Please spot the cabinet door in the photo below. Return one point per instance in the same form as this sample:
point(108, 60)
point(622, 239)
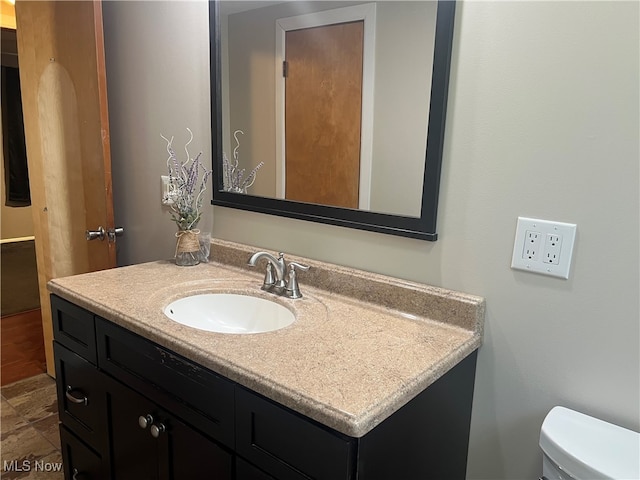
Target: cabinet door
point(134, 452)
point(150, 443)
point(80, 462)
point(187, 454)
point(289, 446)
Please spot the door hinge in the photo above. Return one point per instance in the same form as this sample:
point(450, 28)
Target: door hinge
point(285, 69)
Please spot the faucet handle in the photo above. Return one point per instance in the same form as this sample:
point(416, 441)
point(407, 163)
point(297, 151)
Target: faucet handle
point(304, 268)
point(292, 289)
point(269, 279)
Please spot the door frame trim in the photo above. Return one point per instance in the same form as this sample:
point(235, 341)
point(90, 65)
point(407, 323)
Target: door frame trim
point(366, 13)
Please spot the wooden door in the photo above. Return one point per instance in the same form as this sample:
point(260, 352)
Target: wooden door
point(323, 109)
point(63, 81)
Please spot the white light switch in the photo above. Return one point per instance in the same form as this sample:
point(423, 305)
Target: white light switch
point(167, 197)
point(544, 247)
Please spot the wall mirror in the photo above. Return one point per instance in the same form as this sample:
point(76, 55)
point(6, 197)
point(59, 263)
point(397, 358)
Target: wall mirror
point(338, 107)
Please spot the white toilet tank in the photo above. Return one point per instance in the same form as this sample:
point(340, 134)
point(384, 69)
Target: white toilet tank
point(579, 447)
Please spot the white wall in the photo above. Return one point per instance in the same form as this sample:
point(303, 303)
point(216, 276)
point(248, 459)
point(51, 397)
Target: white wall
point(543, 121)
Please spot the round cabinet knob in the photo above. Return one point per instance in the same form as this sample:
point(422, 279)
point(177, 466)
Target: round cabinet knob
point(145, 421)
point(157, 429)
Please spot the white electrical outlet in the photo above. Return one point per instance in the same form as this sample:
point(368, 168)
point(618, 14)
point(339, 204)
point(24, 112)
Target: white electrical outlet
point(542, 246)
point(532, 245)
point(552, 247)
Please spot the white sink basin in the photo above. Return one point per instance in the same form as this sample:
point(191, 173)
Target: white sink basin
point(229, 313)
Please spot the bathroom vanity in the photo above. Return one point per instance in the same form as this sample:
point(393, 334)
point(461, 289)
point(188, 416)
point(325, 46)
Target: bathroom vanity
point(373, 380)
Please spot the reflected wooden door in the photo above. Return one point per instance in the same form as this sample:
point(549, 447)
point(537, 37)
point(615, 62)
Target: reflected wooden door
point(323, 109)
point(63, 82)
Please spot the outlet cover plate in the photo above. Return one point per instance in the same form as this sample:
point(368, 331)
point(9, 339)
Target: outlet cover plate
point(562, 237)
point(166, 198)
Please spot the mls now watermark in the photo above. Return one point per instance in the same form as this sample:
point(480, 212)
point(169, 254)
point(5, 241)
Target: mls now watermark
point(31, 466)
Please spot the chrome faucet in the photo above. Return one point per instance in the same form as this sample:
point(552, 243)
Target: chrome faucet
point(277, 283)
point(271, 283)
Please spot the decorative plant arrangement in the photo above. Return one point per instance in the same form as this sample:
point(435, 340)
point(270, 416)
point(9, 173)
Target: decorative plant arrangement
point(232, 176)
point(187, 184)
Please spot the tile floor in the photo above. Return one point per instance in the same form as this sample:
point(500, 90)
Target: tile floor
point(30, 442)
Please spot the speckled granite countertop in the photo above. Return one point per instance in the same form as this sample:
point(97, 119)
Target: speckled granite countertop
point(361, 347)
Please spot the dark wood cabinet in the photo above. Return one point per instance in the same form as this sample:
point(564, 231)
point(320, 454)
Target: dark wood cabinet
point(132, 409)
point(148, 442)
point(195, 394)
point(134, 452)
point(289, 445)
point(81, 397)
point(74, 328)
point(111, 431)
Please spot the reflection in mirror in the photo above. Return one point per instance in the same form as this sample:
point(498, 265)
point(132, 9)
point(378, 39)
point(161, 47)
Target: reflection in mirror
point(337, 102)
point(347, 117)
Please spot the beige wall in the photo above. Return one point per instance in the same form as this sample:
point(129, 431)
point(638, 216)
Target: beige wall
point(405, 33)
point(15, 222)
point(542, 121)
point(7, 14)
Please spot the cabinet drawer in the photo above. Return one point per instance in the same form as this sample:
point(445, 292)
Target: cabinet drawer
point(79, 460)
point(73, 327)
point(288, 445)
point(81, 396)
point(192, 392)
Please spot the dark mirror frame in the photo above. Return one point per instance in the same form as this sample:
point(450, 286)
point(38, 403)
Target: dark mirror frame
point(423, 227)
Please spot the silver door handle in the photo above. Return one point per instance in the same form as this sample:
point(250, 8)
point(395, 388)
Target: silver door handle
point(112, 233)
point(100, 233)
point(93, 234)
